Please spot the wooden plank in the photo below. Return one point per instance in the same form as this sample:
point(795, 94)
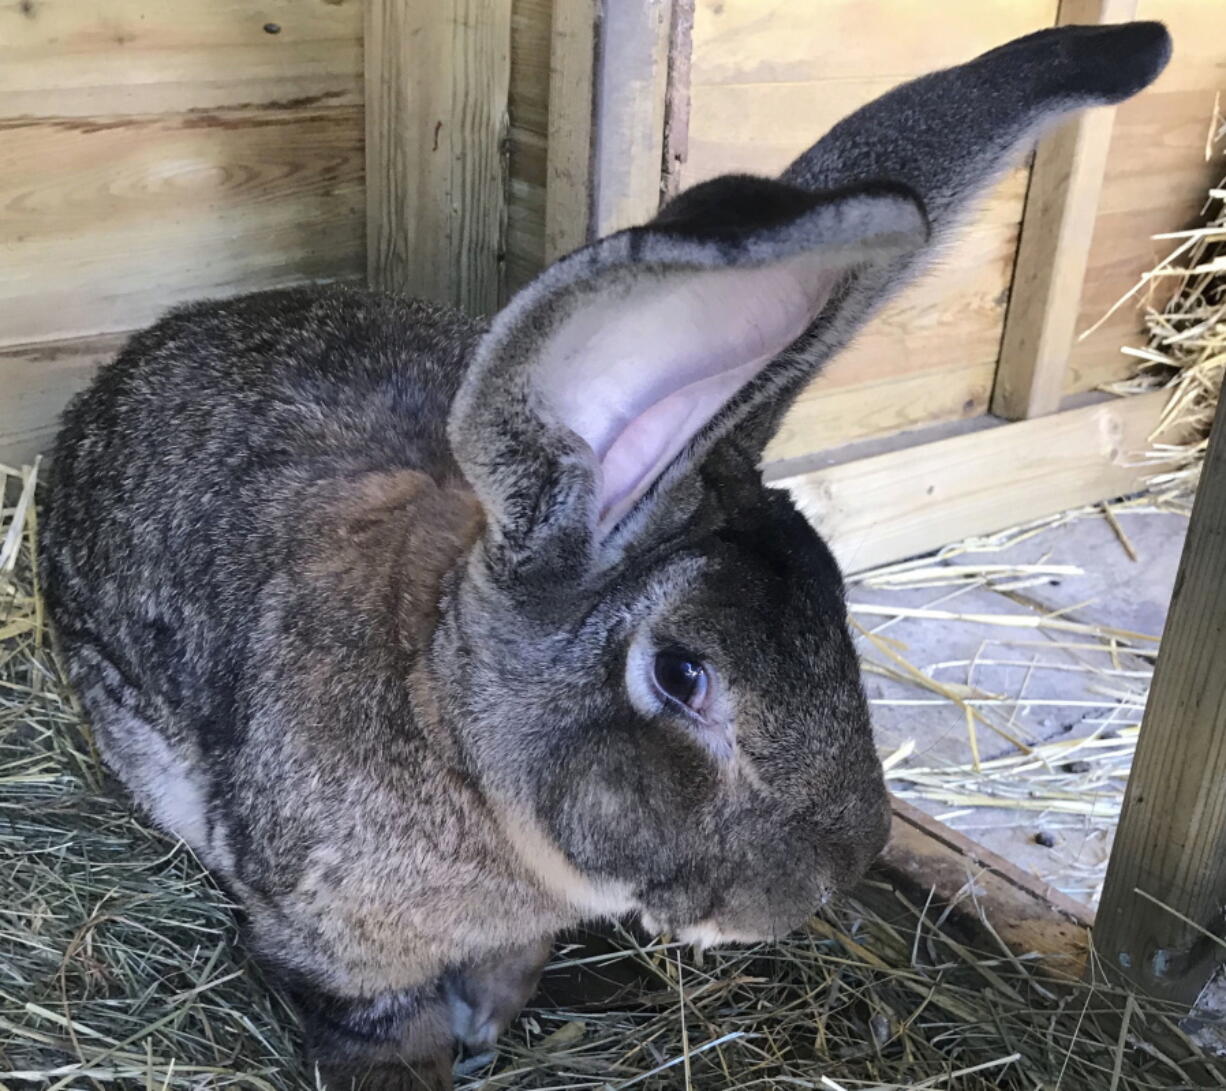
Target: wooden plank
point(1171, 839)
point(1156, 181)
point(929, 356)
point(631, 97)
point(569, 185)
point(677, 98)
point(768, 78)
point(760, 128)
point(824, 419)
point(895, 505)
point(1057, 230)
point(36, 382)
point(105, 222)
point(144, 57)
point(982, 898)
point(437, 86)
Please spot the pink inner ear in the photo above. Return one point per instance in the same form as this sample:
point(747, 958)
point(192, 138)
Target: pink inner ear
point(637, 372)
point(649, 442)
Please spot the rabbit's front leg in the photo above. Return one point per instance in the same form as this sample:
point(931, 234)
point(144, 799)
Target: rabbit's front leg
point(484, 996)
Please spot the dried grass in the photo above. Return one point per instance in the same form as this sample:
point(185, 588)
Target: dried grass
point(120, 966)
point(1074, 783)
point(1186, 355)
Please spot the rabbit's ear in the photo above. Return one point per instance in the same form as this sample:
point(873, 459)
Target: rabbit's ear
point(609, 368)
point(622, 364)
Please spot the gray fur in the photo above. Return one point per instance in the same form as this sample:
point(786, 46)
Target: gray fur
point(329, 574)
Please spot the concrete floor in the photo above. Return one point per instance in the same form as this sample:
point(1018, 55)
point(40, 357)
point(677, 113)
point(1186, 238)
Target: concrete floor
point(1049, 696)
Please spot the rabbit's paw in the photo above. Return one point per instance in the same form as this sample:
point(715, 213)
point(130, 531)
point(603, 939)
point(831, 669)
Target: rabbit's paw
point(485, 996)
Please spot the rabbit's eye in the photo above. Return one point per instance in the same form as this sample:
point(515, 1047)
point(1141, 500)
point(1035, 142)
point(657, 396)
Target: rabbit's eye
point(682, 678)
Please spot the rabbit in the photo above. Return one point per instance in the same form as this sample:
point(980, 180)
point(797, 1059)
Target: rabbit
point(433, 637)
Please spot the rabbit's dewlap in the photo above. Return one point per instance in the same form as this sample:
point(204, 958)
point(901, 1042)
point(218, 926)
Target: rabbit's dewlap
point(434, 639)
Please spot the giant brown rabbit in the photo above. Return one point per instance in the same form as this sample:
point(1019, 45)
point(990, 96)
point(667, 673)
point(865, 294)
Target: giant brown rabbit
point(433, 637)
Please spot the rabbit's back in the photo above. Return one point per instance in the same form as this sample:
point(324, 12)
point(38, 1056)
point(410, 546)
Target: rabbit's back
point(215, 459)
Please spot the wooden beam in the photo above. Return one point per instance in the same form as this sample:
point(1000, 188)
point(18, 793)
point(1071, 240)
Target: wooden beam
point(983, 898)
point(631, 102)
point(1170, 846)
point(437, 79)
point(677, 98)
point(1057, 229)
point(895, 505)
point(574, 46)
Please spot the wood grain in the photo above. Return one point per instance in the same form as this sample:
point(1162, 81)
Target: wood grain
point(895, 505)
point(1053, 252)
point(527, 140)
point(437, 87)
point(768, 79)
point(780, 41)
point(825, 419)
point(105, 222)
point(930, 864)
point(929, 356)
point(1171, 839)
point(83, 59)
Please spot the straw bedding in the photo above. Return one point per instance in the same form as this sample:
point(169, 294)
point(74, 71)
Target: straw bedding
point(1075, 783)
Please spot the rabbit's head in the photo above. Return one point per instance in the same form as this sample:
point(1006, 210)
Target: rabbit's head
point(646, 657)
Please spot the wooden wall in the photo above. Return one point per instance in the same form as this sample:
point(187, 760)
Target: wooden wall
point(770, 76)
point(531, 23)
point(157, 152)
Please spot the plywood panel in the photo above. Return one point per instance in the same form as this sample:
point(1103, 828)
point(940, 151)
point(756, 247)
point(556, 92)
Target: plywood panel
point(1156, 179)
point(76, 58)
point(104, 222)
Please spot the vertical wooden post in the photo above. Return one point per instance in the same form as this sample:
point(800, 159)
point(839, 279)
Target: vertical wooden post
point(677, 103)
point(618, 112)
point(1057, 229)
point(631, 101)
point(437, 81)
point(573, 55)
point(1171, 841)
